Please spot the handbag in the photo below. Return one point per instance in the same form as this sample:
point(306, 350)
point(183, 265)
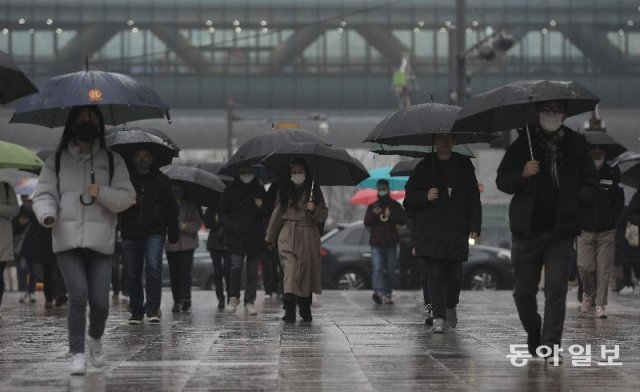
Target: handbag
point(631, 233)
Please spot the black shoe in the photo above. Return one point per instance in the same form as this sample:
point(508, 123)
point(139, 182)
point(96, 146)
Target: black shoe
point(305, 309)
point(534, 339)
point(186, 305)
point(61, 301)
point(430, 318)
point(154, 316)
point(377, 298)
point(136, 319)
point(289, 308)
point(221, 302)
point(176, 308)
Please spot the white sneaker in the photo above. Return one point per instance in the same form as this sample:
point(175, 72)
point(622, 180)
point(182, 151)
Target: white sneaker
point(438, 326)
point(78, 365)
point(626, 290)
point(268, 297)
point(96, 351)
point(251, 309)
point(233, 305)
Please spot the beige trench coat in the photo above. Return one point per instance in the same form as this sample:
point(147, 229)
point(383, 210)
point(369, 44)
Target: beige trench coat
point(299, 246)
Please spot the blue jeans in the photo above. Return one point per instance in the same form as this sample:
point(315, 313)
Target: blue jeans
point(384, 261)
point(144, 254)
point(26, 276)
point(87, 275)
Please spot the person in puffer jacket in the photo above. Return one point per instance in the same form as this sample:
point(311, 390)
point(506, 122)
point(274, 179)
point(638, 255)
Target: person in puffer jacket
point(81, 190)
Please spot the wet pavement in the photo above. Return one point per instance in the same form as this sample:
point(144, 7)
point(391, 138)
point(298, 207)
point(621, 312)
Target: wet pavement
point(351, 345)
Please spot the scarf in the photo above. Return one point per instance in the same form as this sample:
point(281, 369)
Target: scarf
point(551, 146)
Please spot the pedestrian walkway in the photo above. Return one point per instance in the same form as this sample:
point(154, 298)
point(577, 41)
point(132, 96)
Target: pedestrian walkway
point(351, 345)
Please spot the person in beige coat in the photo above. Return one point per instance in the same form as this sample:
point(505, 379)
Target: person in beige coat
point(8, 209)
point(180, 254)
point(294, 224)
point(81, 189)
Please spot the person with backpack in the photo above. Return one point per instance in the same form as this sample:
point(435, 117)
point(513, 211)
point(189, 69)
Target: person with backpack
point(81, 189)
point(143, 228)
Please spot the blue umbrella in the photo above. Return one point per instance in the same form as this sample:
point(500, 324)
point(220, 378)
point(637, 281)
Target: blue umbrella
point(395, 183)
point(120, 98)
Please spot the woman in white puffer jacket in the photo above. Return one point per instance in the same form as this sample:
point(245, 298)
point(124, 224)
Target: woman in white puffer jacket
point(81, 190)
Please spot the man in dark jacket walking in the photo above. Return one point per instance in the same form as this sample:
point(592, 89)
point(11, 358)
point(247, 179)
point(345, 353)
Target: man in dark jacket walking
point(596, 243)
point(242, 214)
point(545, 217)
point(382, 218)
point(144, 227)
point(443, 194)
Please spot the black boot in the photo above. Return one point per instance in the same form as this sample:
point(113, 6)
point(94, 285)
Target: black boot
point(305, 308)
point(221, 302)
point(289, 308)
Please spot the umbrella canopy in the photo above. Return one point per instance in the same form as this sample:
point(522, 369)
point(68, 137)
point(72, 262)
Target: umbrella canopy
point(120, 98)
point(417, 125)
point(26, 186)
point(14, 156)
point(218, 168)
point(609, 144)
point(125, 141)
point(404, 168)
point(328, 165)
point(417, 151)
point(379, 173)
point(14, 83)
point(629, 165)
point(365, 197)
point(513, 105)
point(200, 186)
point(258, 147)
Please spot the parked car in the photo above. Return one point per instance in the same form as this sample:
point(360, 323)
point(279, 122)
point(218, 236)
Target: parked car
point(346, 256)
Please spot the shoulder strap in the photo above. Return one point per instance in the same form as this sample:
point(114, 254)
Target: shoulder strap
point(6, 190)
point(111, 165)
point(57, 167)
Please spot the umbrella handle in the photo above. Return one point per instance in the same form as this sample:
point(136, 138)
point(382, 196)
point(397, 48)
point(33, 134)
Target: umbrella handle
point(529, 142)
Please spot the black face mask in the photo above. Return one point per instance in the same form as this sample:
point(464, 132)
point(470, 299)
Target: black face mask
point(142, 165)
point(85, 132)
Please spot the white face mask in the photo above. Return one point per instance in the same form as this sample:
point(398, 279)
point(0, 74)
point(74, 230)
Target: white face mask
point(551, 122)
point(247, 178)
point(298, 178)
point(383, 193)
point(599, 163)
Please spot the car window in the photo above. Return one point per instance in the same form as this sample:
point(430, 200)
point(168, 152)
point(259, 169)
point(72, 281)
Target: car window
point(355, 236)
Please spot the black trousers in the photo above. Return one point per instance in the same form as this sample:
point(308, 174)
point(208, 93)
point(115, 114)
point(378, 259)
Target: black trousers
point(180, 267)
point(2, 265)
point(221, 272)
point(272, 273)
point(119, 274)
point(237, 264)
point(529, 254)
point(420, 266)
point(445, 279)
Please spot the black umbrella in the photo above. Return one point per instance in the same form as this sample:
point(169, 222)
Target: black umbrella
point(404, 168)
point(629, 165)
point(14, 83)
point(120, 98)
point(126, 140)
point(218, 168)
point(256, 148)
point(328, 165)
point(418, 124)
point(609, 144)
point(200, 186)
point(513, 105)
point(417, 151)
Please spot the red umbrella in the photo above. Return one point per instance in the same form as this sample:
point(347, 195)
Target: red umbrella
point(365, 197)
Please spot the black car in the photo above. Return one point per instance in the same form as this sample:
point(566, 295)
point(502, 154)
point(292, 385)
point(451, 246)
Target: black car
point(346, 256)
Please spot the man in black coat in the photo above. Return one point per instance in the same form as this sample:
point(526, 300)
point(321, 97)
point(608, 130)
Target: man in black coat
point(549, 193)
point(596, 243)
point(443, 194)
point(242, 213)
point(144, 227)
